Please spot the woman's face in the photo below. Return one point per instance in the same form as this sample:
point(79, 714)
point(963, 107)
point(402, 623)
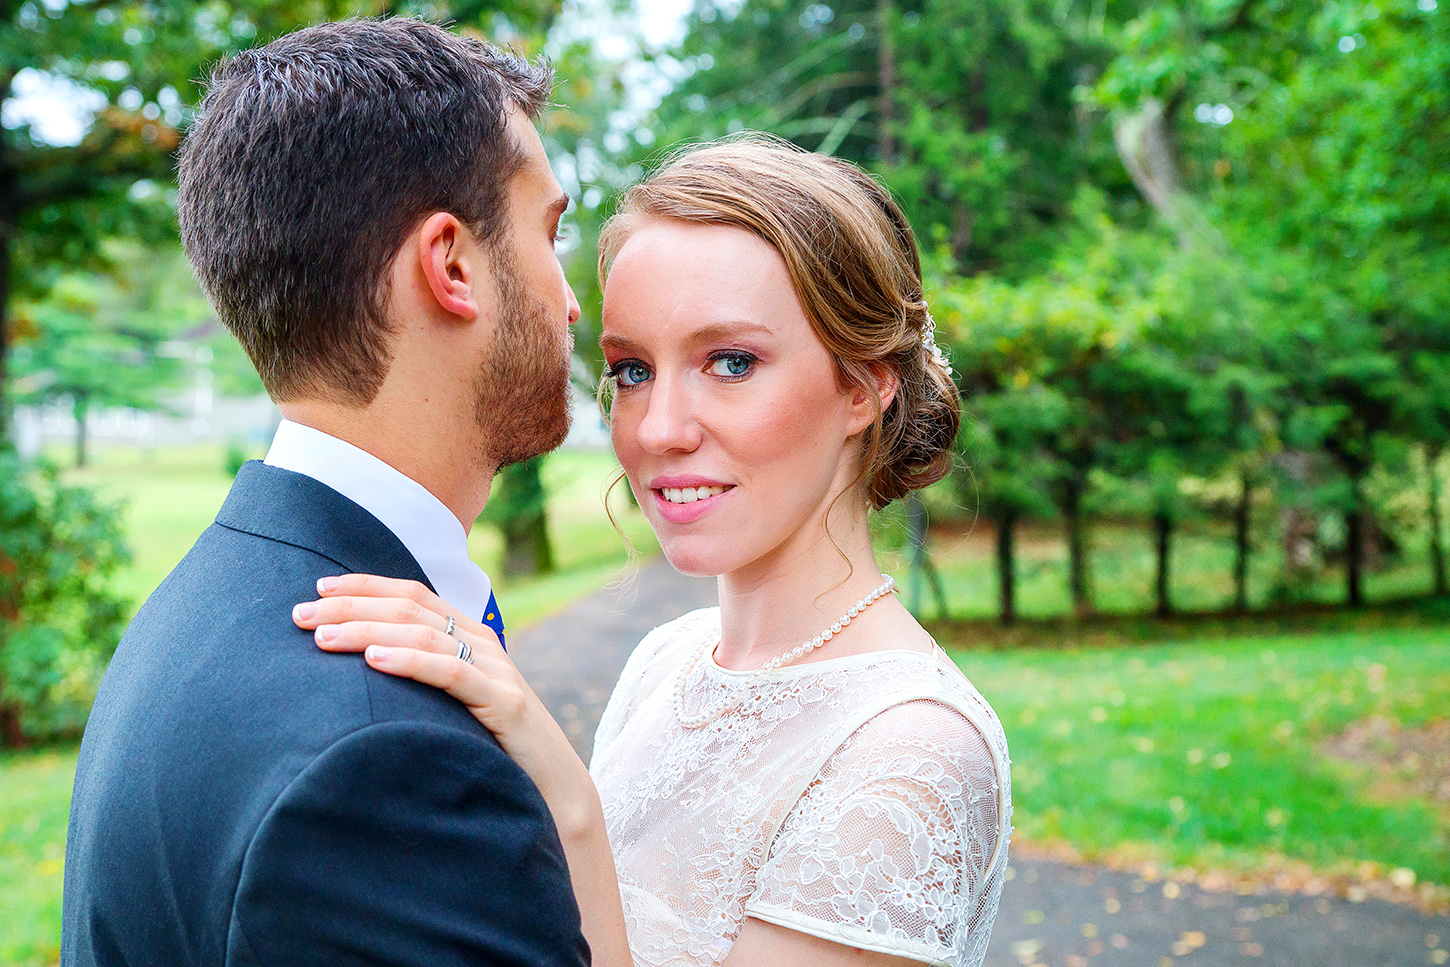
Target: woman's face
point(727, 419)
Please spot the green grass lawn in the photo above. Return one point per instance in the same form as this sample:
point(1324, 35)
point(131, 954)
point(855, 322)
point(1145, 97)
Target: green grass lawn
point(1209, 753)
point(34, 804)
point(172, 495)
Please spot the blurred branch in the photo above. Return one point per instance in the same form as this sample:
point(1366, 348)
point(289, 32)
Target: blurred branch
point(115, 149)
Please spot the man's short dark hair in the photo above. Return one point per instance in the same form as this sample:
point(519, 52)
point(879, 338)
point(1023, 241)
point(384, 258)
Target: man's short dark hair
point(311, 161)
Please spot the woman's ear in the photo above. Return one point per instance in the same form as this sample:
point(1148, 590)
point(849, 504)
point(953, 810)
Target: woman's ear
point(884, 381)
point(447, 254)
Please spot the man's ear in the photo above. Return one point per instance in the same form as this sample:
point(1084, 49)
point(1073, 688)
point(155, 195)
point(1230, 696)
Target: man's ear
point(884, 382)
point(449, 257)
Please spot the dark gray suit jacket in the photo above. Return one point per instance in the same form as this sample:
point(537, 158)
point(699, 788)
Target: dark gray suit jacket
point(245, 798)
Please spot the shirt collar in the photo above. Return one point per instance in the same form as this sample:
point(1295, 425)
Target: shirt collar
point(426, 527)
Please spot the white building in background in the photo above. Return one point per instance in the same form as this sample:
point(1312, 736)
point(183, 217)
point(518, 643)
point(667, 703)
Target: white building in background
point(195, 414)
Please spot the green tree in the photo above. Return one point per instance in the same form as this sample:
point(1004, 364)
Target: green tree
point(967, 111)
point(519, 510)
point(1012, 415)
point(1045, 374)
point(97, 341)
point(59, 619)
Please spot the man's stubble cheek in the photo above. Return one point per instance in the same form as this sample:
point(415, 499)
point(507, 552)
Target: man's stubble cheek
point(523, 386)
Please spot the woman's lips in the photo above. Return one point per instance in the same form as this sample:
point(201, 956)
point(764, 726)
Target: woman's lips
point(682, 505)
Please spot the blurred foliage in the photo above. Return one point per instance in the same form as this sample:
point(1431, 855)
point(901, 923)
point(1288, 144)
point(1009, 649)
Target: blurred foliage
point(60, 620)
point(100, 340)
point(1191, 257)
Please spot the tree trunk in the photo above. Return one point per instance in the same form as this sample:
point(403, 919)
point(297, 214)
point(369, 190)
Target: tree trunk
point(6, 228)
point(1437, 545)
point(886, 85)
point(525, 525)
point(81, 408)
point(922, 567)
point(1163, 542)
point(1354, 542)
point(526, 548)
point(1006, 565)
point(1078, 581)
point(1145, 143)
point(11, 734)
point(1241, 543)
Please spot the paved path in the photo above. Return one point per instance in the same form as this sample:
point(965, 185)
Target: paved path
point(573, 659)
point(1053, 914)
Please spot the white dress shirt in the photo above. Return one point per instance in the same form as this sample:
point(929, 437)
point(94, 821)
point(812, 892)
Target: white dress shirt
point(426, 527)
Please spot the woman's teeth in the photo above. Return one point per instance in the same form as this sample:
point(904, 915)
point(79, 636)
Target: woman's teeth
point(688, 495)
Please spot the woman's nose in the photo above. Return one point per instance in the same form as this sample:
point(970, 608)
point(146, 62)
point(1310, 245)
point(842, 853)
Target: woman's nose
point(669, 421)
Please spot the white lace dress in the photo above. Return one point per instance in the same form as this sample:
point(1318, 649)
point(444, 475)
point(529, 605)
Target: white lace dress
point(863, 799)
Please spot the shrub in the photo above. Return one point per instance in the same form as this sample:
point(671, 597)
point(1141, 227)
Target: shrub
point(59, 619)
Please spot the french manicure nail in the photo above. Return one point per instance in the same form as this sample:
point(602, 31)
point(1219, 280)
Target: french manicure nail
point(378, 654)
point(328, 632)
point(304, 612)
point(327, 584)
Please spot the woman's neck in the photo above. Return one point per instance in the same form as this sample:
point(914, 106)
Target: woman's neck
point(776, 603)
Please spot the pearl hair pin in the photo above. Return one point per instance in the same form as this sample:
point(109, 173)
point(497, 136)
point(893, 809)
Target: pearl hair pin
point(928, 342)
point(804, 648)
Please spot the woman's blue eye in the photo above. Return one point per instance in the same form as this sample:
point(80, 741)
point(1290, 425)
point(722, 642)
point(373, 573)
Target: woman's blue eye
point(630, 372)
point(732, 365)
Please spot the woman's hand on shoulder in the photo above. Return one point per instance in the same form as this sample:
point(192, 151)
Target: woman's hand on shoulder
point(402, 628)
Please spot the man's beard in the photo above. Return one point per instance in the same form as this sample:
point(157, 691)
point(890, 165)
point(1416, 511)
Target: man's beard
point(522, 390)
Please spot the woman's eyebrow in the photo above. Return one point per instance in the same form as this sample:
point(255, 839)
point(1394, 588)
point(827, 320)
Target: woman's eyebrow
point(723, 330)
point(618, 343)
point(711, 332)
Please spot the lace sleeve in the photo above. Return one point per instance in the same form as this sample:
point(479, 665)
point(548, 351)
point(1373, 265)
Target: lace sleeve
point(894, 845)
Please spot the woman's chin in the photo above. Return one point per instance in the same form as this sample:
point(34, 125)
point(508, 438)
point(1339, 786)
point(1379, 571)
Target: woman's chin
point(694, 561)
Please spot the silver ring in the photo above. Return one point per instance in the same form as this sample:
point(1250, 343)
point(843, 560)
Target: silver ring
point(449, 630)
point(465, 653)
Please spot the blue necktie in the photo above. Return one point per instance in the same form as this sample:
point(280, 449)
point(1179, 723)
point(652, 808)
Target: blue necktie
point(493, 618)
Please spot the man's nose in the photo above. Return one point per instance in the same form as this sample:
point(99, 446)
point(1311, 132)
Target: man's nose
point(573, 304)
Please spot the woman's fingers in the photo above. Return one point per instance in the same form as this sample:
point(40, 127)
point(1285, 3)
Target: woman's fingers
point(357, 635)
point(459, 679)
point(330, 611)
point(368, 597)
point(497, 697)
point(373, 586)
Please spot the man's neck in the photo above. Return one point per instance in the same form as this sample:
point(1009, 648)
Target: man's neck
point(423, 445)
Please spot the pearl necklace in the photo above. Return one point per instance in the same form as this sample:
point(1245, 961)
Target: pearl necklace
point(737, 695)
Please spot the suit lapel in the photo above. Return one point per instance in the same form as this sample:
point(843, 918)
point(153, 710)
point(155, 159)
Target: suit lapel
point(294, 509)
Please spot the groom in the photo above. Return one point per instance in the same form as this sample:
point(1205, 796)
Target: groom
point(370, 210)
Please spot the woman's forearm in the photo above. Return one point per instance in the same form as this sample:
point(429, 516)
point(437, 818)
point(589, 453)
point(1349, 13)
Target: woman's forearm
point(578, 815)
point(595, 881)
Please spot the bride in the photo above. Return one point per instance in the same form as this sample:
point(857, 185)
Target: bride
point(800, 776)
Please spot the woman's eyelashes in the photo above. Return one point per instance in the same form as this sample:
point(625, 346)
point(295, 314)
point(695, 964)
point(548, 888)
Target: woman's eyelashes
point(727, 365)
point(628, 372)
point(732, 365)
